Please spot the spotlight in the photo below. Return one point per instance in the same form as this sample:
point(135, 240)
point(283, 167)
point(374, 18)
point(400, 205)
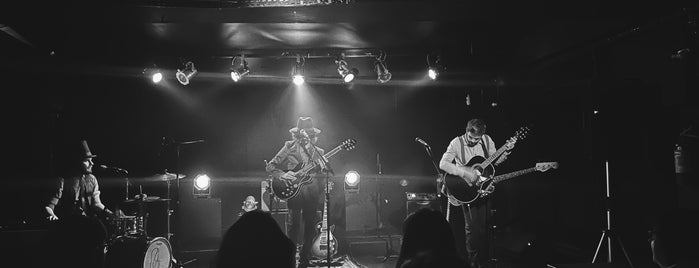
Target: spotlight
point(382, 73)
point(183, 76)
point(352, 181)
point(297, 71)
point(432, 73)
point(202, 186)
point(154, 74)
point(343, 69)
point(240, 69)
point(435, 68)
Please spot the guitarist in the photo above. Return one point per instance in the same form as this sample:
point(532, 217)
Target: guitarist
point(295, 153)
point(459, 152)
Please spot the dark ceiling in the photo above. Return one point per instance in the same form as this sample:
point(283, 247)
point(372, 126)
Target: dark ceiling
point(474, 36)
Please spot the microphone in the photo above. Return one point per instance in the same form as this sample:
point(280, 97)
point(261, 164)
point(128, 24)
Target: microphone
point(417, 139)
point(121, 170)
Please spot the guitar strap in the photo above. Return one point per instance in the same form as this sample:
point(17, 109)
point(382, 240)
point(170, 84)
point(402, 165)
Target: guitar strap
point(463, 152)
point(485, 150)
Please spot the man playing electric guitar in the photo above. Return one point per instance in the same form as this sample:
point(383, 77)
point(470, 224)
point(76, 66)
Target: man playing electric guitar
point(460, 150)
point(295, 153)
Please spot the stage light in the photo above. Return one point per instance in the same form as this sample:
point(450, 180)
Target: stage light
point(154, 74)
point(202, 186)
point(344, 70)
point(352, 179)
point(432, 73)
point(239, 68)
point(382, 73)
point(297, 71)
point(434, 68)
point(157, 77)
point(186, 74)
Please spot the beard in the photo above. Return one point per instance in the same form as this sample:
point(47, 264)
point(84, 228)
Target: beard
point(471, 144)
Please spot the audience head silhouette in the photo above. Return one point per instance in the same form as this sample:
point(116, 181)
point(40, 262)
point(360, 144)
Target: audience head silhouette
point(255, 240)
point(672, 234)
point(427, 231)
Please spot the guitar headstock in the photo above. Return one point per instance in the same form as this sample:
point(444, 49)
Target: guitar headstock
point(519, 135)
point(546, 166)
point(349, 144)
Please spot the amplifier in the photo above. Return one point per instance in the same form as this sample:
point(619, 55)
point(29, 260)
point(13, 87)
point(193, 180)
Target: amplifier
point(420, 196)
point(415, 201)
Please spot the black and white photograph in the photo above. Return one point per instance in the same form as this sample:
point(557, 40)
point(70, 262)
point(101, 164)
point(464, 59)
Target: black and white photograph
point(349, 133)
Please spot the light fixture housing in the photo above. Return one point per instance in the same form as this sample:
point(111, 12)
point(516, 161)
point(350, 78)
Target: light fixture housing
point(352, 180)
point(347, 74)
point(185, 75)
point(239, 69)
point(382, 73)
point(201, 186)
point(434, 67)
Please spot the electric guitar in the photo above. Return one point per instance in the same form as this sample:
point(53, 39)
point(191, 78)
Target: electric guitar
point(288, 184)
point(461, 191)
point(324, 243)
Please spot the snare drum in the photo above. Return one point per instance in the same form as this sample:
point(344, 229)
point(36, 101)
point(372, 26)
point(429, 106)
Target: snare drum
point(128, 225)
point(139, 252)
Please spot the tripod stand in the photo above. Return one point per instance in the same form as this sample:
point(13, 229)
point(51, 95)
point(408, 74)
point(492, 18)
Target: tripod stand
point(607, 233)
point(390, 253)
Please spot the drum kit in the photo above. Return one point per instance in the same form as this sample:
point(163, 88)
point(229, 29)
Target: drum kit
point(139, 236)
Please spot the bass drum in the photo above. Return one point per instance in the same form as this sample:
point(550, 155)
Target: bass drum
point(139, 252)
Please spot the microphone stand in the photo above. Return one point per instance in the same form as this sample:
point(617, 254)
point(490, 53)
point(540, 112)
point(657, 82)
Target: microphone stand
point(440, 174)
point(327, 170)
point(169, 233)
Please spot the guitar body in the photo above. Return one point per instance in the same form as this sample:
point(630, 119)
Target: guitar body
point(324, 243)
point(460, 189)
point(287, 188)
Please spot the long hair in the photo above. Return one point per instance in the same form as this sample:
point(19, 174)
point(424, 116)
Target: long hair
point(426, 230)
point(256, 240)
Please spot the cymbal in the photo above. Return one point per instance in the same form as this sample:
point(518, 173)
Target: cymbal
point(164, 177)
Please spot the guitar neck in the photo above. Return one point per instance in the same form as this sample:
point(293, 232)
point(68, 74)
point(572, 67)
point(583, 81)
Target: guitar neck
point(313, 164)
point(325, 216)
point(492, 158)
point(511, 175)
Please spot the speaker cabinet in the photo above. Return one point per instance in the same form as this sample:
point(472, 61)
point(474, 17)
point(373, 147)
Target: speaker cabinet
point(200, 224)
point(282, 219)
point(381, 202)
point(413, 205)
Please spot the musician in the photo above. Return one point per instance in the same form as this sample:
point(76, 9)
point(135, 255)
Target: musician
point(296, 152)
point(474, 142)
point(77, 212)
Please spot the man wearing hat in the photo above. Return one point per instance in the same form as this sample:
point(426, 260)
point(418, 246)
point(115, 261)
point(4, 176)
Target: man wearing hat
point(77, 234)
point(298, 151)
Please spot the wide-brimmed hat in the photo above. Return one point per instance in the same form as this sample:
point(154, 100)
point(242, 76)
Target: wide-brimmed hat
point(306, 123)
point(85, 152)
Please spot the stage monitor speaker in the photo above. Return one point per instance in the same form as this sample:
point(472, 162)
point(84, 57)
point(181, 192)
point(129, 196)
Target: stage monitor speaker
point(200, 224)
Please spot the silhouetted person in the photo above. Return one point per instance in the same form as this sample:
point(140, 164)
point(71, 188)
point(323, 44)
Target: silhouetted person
point(429, 259)
point(674, 238)
point(426, 230)
point(77, 233)
point(255, 240)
